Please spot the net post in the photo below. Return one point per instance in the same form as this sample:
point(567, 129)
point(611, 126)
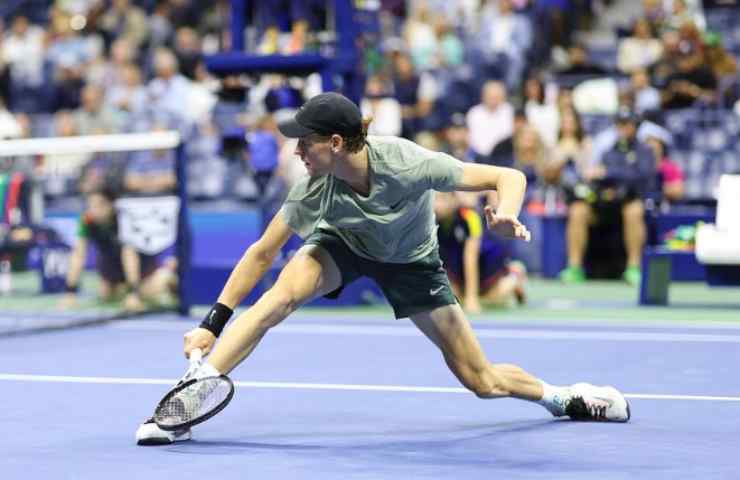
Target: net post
point(184, 235)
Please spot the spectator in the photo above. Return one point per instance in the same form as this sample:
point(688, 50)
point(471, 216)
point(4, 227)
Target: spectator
point(571, 154)
point(187, 49)
point(60, 171)
point(305, 16)
point(94, 116)
point(667, 65)
point(646, 97)
point(169, 89)
point(541, 112)
point(263, 152)
point(110, 72)
point(692, 81)
point(151, 171)
point(22, 50)
point(624, 178)
point(641, 50)
point(670, 174)
point(128, 100)
point(406, 86)
point(420, 37)
point(124, 20)
point(579, 63)
point(379, 104)
point(474, 274)
point(456, 138)
point(491, 121)
point(505, 38)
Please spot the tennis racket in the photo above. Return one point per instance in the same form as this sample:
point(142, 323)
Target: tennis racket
point(194, 400)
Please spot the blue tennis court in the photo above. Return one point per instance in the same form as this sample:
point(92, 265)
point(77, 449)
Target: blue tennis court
point(332, 395)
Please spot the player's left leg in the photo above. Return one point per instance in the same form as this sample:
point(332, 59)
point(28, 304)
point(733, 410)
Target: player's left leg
point(448, 328)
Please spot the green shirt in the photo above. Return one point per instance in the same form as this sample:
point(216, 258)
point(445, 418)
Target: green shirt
point(395, 222)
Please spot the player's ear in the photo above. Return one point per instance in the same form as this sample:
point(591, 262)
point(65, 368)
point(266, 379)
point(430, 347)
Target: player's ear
point(336, 143)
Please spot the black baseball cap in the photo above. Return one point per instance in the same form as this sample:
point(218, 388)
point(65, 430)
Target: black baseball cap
point(325, 114)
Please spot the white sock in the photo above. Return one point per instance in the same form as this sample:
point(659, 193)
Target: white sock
point(553, 398)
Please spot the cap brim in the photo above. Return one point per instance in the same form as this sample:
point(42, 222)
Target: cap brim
point(292, 129)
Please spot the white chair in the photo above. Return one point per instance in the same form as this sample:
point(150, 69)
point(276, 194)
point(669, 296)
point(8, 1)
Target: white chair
point(719, 243)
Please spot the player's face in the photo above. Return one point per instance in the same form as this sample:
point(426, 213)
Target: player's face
point(316, 154)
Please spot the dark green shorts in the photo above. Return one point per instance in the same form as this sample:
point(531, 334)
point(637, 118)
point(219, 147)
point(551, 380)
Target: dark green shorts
point(410, 288)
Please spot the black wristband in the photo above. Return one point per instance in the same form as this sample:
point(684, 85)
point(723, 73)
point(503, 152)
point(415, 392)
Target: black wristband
point(71, 288)
point(217, 318)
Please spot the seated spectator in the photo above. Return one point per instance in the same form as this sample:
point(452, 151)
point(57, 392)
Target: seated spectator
point(646, 98)
point(169, 90)
point(475, 276)
point(571, 154)
point(187, 49)
point(580, 64)
point(505, 38)
point(58, 171)
point(722, 63)
point(22, 50)
point(639, 51)
point(124, 273)
point(306, 16)
point(456, 138)
point(125, 20)
point(419, 35)
point(263, 152)
point(379, 104)
point(541, 113)
point(670, 174)
point(150, 171)
point(94, 116)
point(624, 177)
point(127, 100)
point(692, 81)
point(491, 121)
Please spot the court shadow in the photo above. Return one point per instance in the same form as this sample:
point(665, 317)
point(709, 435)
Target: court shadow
point(370, 442)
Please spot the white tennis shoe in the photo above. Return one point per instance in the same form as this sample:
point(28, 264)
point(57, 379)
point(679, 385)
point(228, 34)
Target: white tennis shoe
point(589, 402)
point(149, 433)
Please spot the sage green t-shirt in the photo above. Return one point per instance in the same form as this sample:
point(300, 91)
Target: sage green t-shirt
point(395, 222)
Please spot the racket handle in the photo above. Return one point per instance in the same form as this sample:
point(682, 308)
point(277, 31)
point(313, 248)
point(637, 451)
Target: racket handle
point(196, 355)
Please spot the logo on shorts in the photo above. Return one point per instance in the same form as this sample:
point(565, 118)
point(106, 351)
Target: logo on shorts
point(434, 291)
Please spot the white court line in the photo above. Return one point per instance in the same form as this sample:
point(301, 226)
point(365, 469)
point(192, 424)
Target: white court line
point(315, 386)
point(501, 333)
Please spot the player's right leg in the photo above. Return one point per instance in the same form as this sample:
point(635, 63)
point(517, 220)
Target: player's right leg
point(310, 273)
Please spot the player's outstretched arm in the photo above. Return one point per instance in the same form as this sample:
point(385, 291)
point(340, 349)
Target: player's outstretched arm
point(510, 184)
point(251, 268)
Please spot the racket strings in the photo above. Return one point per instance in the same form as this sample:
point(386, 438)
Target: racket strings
point(194, 401)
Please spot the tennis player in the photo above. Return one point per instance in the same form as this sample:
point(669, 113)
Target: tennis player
point(366, 209)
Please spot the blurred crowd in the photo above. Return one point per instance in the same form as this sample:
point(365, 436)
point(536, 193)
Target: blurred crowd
point(506, 82)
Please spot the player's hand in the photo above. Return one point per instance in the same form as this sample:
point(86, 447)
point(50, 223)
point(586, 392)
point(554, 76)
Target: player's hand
point(507, 226)
point(199, 338)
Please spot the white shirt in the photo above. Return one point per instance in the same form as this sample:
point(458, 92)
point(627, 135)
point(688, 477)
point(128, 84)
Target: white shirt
point(489, 127)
